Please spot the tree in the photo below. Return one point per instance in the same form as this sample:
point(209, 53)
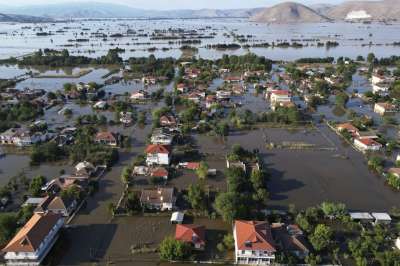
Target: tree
point(313, 259)
point(331, 209)
point(230, 206)
point(8, 225)
point(126, 175)
point(35, 187)
point(222, 129)
point(171, 249)
point(321, 237)
point(202, 171)
point(196, 196)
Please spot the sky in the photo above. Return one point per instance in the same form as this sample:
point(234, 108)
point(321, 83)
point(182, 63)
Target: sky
point(173, 4)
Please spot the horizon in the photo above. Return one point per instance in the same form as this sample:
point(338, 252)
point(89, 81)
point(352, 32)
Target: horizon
point(170, 4)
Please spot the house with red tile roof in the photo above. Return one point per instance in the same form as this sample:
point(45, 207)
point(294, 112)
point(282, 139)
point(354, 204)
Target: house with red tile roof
point(157, 154)
point(167, 121)
point(106, 138)
point(192, 234)
point(34, 240)
point(160, 172)
point(254, 244)
point(367, 144)
point(347, 126)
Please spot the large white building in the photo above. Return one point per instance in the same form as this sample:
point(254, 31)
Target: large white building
point(253, 243)
point(35, 239)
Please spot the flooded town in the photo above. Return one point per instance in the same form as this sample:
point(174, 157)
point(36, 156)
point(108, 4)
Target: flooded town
point(200, 140)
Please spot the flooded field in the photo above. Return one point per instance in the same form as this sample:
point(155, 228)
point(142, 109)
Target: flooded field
point(138, 38)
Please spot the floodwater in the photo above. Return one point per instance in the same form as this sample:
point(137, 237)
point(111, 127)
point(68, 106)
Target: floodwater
point(95, 38)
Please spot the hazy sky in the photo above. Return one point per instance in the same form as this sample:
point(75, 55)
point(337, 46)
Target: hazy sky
point(173, 4)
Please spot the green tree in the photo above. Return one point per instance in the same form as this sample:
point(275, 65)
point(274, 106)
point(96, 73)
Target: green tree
point(230, 206)
point(35, 187)
point(331, 209)
point(171, 249)
point(196, 196)
point(202, 171)
point(8, 226)
point(321, 237)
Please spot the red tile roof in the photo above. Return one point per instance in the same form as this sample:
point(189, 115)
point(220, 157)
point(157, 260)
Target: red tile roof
point(369, 142)
point(254, 235)
point(190, 233)
point(280, 92)
point(157, 148)
point(33, 233)
point(159, 172)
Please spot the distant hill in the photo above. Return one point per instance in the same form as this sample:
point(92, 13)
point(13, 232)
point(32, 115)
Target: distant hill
point(288, 12)
point(22, 18)
point(386, 9)
point(107, 10)
point(321, 8)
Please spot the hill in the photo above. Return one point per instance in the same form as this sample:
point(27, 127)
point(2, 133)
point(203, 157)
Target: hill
point(108, 10)
point(22, 18)
point(289, 12)
point(372, 10)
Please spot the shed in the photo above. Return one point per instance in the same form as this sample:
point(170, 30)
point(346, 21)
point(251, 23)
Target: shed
point(177, 217)
point(33, 201)
point(381, 218)
point(361, 216)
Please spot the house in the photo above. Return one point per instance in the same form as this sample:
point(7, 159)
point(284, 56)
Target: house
point(139, 95)
point(290, 238)
point(347, 126)
point(159, 172)
point(126, 118)
point(232, 79)
point(158, 199)
point(223, 95)
point(397, 243)
point(181, 87)
point(106, 138)
point(383, 108)
point(57, 204)
point(34, 240)
point(280, 96)
point(158, 154)
point(191, 234)
point(100, 105)
point(85, 169)
point(167, 121)
point(210, 101)
point(365, 145)
point(149, 80)
point(162, 137)
point(235, 164)
point(381, 218)
point(370, 134)
point(381, 88)
point(64, 182)
point(22, 137)
point(253, 243)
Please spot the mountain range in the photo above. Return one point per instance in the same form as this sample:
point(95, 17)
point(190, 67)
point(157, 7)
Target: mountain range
point(288, 12)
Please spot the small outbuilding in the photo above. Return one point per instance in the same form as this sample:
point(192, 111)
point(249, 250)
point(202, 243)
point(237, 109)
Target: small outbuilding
point(177, 217)
point(381, 218)
point(361, 217)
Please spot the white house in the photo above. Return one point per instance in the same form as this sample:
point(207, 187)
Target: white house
point(161, 137)
point(158, 154)
point(34, 240)
point(158, 199)
point(253, 243)
point(398, 243)
point(381, 88)
point(367, 144)
point(383, 108)
point(280, 96)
